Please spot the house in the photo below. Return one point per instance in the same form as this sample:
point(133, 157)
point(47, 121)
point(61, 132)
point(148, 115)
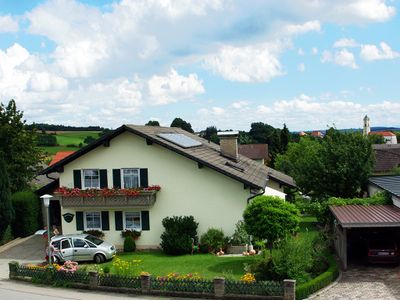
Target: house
point(211, 182)
point(387, 158)
point(388, 136)
point(389, 184)
point(276, 180)
point(257, 152)
point(317, 134)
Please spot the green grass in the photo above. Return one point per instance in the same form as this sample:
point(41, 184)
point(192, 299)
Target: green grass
point(67, 138)
point(54, 150)
point(207, 266)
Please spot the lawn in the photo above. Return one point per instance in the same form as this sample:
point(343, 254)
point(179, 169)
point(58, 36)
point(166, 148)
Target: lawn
point(206, 265)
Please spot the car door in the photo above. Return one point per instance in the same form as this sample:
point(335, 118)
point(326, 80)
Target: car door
point(66, 250)
point(82, 251)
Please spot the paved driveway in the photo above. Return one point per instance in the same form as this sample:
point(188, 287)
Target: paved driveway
point(32, 248)
point(368, 283)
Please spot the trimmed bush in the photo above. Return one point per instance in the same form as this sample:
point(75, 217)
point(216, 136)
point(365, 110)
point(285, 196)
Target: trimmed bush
point(129, 244)
point(178, 234)
point(27, 209)
point(7, 236)
point(212, 240)
point(319, 282)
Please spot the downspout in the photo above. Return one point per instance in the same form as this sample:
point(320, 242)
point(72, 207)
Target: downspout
point(258, 194)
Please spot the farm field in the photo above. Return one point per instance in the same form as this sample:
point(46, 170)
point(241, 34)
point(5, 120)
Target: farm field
point(65, 140)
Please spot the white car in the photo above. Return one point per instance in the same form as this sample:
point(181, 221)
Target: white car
point(81, 247)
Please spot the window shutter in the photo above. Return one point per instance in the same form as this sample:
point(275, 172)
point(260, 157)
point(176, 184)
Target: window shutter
point(119, 225)
point(145, 220)
point(144, 181)
point(105, 221)
point(77, 179)
point(103, 179)
point(117, 178)
point(79, 220)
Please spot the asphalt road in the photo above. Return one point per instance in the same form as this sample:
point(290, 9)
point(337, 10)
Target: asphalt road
point(32, 248)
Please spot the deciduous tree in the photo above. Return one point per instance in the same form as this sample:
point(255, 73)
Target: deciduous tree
point(178, 122)
point(6, 211)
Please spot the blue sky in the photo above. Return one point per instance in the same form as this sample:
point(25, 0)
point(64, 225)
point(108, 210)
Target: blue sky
point(213, 62)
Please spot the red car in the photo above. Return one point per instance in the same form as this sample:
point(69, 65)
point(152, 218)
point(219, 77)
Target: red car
point(383, 251)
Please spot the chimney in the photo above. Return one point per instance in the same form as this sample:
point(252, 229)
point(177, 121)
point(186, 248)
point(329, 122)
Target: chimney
point(228, 144)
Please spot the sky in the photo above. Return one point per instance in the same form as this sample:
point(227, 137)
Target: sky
point(225, 63)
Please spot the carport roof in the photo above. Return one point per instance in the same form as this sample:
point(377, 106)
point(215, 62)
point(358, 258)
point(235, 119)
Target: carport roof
point(355, 216)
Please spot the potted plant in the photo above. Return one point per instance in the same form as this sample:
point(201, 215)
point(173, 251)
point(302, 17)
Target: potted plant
point(238, 242)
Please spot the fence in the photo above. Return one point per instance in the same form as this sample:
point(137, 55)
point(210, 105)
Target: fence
point(218, 288)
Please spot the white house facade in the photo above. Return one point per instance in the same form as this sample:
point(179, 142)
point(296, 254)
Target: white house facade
point(195, 178)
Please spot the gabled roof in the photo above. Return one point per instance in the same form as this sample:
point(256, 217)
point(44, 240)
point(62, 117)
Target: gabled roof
point(387, 183)
point(254, 151)
point(208, 154)
point(60, 155)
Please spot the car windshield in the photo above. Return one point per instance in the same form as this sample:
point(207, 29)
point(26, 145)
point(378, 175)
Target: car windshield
point(94, 240)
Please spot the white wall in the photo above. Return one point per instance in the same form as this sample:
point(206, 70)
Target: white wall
point(214, 199)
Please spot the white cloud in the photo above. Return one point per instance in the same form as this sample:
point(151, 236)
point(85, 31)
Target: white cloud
point(256, 63)
point(305, 112)
point(372, 52)
point(301, 67)
point(174, 87)
point(240, 104)
point(314, 50)
point(342, 58)
point(8, 24)
point(293, 29)
point(300, 52)
point(346, 43)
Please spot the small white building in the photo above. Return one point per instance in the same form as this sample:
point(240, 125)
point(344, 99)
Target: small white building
point(388, 137)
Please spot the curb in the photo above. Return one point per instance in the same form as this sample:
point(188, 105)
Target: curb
point(319, 292)
point(14, 242)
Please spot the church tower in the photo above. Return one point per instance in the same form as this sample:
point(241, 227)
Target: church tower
point(367, 127)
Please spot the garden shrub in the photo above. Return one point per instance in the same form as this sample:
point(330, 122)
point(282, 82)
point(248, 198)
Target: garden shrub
point(129, 244)
point(135, 234)
point(178, 234)
point(240, 236)
point(212, 240)
point(27, 210)
point(7, 236)
point(265, 270)
point(319, 282)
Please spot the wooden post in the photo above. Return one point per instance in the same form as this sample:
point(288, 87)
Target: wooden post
point(289, 289)
point(219, 287)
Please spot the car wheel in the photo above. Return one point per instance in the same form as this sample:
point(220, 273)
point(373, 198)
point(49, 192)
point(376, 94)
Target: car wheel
point(99, 258)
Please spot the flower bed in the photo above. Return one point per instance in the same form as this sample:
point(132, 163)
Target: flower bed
point(91, 193)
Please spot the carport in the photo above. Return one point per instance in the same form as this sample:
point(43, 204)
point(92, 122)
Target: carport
point(361, 218)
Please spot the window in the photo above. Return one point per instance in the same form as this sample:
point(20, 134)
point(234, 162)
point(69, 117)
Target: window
point(79, 243)
point(65, 244)
point(133, 220)
point(91, 179)
point(130, 178)
point(93, 220)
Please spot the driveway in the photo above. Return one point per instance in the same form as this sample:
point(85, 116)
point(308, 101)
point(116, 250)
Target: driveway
point(31, 248)
point(362, 282)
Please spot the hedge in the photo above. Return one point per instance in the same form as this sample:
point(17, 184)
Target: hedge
point(27, 213)
point(319, 282)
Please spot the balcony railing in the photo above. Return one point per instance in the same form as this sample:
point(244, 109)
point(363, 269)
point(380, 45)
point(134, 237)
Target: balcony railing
point(105, 198)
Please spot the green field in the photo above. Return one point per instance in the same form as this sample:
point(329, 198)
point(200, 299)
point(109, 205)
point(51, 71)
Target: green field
point(65, 138)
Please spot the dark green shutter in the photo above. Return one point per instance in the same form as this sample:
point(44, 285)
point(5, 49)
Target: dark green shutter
point(117, 178)
point(103, 179)
point(79, 220)
point(77, 179)
point(144, 180)
point(105, 221)
point(119, 225)
point(145, 220)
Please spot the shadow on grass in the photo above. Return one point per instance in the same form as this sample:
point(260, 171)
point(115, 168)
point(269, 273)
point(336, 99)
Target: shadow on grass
point(230, 268)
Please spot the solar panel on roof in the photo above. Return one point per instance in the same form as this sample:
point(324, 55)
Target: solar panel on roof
point(180, 139)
